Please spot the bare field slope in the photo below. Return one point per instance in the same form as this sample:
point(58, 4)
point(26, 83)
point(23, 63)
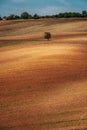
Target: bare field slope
point(43, 84)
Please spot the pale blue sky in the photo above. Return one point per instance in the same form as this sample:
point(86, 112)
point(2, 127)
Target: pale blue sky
point(41, 7)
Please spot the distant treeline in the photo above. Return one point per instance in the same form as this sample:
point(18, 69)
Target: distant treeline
point(26, 15)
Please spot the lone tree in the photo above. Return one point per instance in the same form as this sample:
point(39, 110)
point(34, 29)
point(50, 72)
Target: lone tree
point(47, 35)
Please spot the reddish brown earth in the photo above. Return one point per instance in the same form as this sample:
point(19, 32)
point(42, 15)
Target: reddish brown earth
point(43, 84)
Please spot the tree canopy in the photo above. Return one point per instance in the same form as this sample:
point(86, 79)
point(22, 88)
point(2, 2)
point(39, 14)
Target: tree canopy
point(26, 15)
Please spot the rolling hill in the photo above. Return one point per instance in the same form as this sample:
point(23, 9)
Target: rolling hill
point(43, 84)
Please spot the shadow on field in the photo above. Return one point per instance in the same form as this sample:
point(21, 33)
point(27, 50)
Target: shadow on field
point(9, 42)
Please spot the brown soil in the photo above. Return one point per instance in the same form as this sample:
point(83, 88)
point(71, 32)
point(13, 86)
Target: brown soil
point(43, 85)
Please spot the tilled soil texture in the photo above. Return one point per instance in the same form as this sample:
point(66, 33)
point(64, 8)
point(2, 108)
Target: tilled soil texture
point(43, 84)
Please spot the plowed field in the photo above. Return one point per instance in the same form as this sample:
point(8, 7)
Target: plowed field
point(43, 84)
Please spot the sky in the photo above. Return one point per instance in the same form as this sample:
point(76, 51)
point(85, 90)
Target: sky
point(41, 7)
